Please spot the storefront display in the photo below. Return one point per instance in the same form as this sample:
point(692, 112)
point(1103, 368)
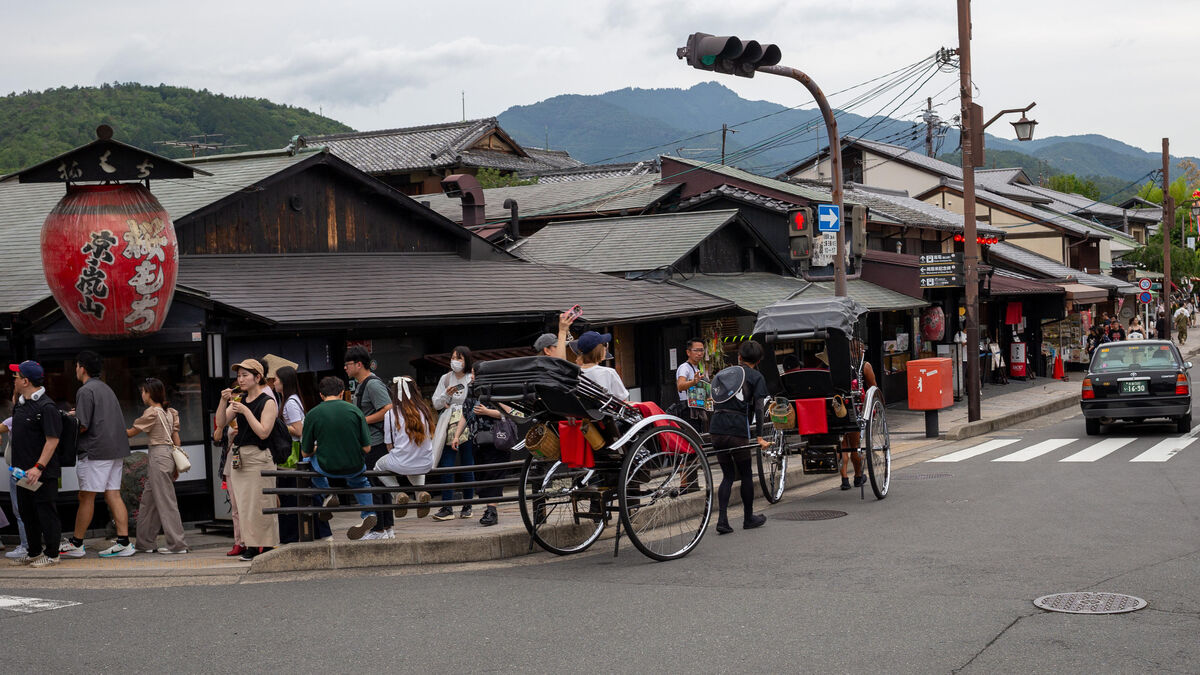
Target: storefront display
point(1066, 336)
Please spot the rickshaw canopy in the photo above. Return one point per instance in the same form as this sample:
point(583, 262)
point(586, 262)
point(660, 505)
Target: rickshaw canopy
point(802, 315)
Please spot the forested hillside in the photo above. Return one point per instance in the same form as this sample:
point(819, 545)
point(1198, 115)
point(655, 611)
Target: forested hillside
point(35, 126)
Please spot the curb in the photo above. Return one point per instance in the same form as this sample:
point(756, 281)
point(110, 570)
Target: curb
point(980, 427)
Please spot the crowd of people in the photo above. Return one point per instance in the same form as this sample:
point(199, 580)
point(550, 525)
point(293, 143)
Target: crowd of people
point(1111, 329)
point(385, 427)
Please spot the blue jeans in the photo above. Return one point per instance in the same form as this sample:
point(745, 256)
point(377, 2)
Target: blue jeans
point(356, 480)
point(464, 456)
point(12, 491)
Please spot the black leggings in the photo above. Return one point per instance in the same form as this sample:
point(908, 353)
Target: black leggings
point(734, 463)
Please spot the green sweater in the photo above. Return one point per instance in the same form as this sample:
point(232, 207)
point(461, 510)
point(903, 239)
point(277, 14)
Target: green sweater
point(339, 431)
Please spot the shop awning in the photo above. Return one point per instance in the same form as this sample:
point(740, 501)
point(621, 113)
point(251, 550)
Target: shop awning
point(1082, 294)
point(1004, 285)
point(754, 291)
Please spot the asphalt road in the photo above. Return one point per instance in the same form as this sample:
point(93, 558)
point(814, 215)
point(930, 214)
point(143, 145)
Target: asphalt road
point(939, 577)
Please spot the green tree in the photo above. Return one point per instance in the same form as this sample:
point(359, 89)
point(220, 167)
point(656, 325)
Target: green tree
point(1184, 261)
point(1069, 182)
point(494, 178)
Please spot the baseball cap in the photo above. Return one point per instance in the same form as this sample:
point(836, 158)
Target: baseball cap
point(591, 339)
point(28, 369)
point(249, 364)
point(545, 340)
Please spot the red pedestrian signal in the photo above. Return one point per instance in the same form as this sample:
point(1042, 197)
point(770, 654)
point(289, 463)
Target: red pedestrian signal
point(800, 241)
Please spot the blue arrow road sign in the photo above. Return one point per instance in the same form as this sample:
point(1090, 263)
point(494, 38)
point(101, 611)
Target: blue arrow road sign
point(829, 218)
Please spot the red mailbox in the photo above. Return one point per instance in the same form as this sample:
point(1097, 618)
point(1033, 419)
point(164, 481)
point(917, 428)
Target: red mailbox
point(930, 384)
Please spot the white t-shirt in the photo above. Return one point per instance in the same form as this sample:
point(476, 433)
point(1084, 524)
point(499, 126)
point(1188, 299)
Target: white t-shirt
point(293, 411)
point(405, 457)
point(687, 371)
point(608, 378)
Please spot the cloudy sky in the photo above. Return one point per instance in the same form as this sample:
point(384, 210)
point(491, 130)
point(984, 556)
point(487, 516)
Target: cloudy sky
point(1118, 68)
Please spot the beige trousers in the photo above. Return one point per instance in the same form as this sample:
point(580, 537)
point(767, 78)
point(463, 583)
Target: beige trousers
point(233, 509)
point(159, 508)
point(258, 529)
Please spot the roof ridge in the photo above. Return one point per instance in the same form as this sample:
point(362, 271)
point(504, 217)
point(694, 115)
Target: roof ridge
point(396, 131)
point(472, 132)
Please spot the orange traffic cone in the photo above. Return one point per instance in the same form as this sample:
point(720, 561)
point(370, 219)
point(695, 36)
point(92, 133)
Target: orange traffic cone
point(1058, 366)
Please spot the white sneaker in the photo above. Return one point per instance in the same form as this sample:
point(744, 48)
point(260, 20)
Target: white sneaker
point(166, 551)
point(117, 551)
point(18, 552)
point(43, 561)
point(390, 533)
point(373, 535)
point(71, 550)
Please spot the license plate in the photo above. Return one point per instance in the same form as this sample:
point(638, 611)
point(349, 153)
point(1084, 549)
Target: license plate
point(1135, 387)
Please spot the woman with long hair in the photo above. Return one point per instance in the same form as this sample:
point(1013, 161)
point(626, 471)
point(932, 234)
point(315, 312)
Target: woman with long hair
point(287, 385)
point(255, 411)
point(159, 509)
point(408, 433)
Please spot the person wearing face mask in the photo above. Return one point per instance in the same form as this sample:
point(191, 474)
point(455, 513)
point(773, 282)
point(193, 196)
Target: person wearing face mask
point(448, 399)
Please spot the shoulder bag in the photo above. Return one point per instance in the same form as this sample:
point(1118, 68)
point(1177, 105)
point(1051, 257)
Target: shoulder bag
point(182, 463)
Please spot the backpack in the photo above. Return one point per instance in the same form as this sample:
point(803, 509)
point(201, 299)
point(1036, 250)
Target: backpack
point(68, 440)
point(279, 442)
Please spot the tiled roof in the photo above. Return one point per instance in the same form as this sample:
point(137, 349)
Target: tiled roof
point(1065, 202)
point(558, 159)
point(1048, 268)
point(737, 194)
point(1005, 182)
point(754, 291)
point(804, 191)
point(1071, 224)
point(436, 287)
point(23, 208)
point(630, 194)
point(631, 244)
point(432, 146)
point(590, 171)
point(909, 211)
point(1004, 282)
point(896, 152)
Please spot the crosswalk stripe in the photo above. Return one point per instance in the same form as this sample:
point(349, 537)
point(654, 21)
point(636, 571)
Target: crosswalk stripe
point(994, 444)
point(1098, 450)
point(24, 605)
point(1036, 450)
point(1164, 450)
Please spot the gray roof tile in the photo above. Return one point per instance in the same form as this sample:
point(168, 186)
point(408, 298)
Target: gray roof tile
point(804, 191)
point(630, 244)
point(631, 194)
point(754, 291)
point(437, 287)
point(1049, 268)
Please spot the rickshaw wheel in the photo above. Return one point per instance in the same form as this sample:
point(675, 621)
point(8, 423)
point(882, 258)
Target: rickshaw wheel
point(562, 509)
point(772, 467)
point(879, 450)
point(666, 493)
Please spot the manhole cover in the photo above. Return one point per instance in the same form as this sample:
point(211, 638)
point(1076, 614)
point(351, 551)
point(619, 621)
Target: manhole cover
point(815, 514)
point(1090, 603)
point(921, 476)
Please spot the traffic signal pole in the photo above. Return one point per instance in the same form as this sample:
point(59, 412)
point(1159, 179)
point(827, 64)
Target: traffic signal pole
point(835, 161)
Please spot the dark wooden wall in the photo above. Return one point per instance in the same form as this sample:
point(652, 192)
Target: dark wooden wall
point(317, 210)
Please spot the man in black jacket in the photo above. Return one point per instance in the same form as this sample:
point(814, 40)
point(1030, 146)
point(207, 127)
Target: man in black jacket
point(1162, 328)
point(37, 425)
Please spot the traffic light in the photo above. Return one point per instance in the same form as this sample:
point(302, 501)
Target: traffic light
point(727, 54)
point(800, 239)
point(858, 229)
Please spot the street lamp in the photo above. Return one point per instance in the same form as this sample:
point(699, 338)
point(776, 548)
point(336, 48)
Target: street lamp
point(1024, 128)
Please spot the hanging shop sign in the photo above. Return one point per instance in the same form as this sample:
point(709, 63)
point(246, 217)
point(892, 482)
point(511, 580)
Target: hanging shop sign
point(941, 270)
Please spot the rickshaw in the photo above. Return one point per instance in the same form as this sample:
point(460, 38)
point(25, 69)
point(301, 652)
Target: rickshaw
point(593, 456)
point(824, 385)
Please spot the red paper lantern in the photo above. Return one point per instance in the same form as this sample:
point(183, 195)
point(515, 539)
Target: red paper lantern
point(110, 257)
point(933, 323)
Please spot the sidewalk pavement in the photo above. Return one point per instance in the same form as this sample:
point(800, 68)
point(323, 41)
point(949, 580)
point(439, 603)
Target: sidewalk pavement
point(425, 541)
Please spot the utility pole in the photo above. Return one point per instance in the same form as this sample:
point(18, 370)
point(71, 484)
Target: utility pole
point(970, 243)
point(1168, 219)
point(725, 130)
point(929, 126)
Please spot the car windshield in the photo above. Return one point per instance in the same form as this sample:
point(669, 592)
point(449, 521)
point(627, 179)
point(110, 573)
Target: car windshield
point(1131, 356)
